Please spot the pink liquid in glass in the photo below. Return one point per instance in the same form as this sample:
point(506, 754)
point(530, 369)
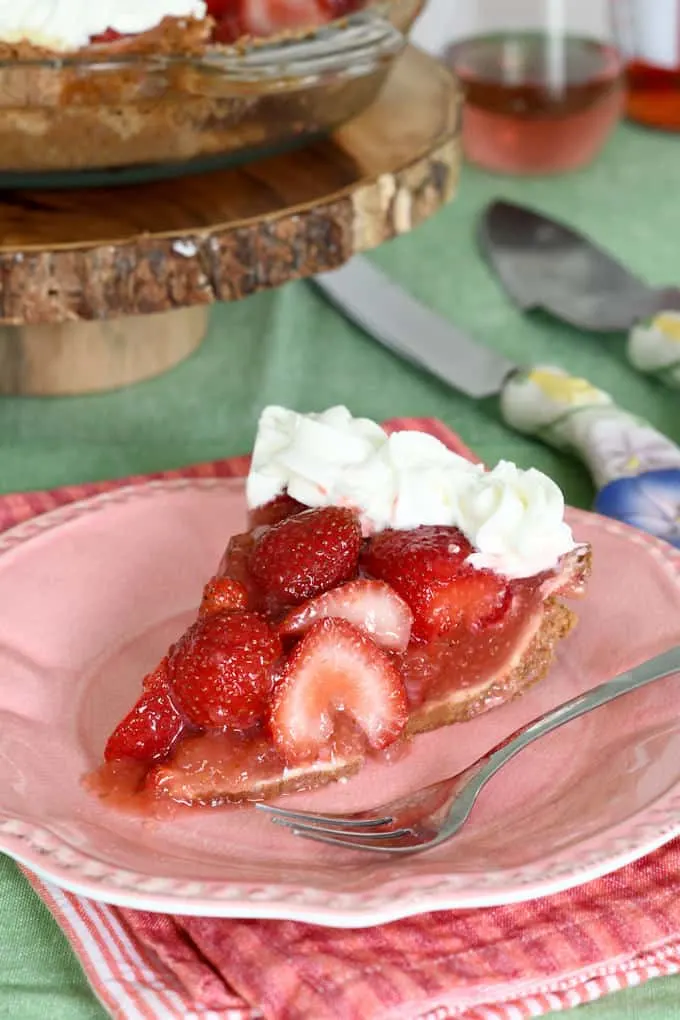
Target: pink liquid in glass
point(534, 106)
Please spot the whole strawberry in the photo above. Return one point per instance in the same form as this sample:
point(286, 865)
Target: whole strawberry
point(221, 670)
point(307, 554)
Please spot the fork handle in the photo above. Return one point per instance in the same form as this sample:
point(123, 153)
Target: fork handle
point(479, 774)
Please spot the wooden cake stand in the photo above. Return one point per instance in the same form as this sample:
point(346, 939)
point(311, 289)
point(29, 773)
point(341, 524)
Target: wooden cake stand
point(103, 287)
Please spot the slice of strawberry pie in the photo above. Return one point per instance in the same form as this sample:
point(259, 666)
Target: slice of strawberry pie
point(384, 587)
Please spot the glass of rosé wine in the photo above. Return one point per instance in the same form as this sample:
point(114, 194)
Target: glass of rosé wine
point(543, 82)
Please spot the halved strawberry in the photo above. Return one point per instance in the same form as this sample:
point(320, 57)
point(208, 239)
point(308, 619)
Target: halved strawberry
point(371, 606)
point(306, 554)
point(222, 595)
point(148, 731)
point(427, 567)
point(221, 670)
point(335, 668)
point(277, 509)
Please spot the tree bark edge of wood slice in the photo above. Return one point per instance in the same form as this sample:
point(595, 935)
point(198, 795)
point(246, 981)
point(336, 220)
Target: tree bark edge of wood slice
point(94, 255)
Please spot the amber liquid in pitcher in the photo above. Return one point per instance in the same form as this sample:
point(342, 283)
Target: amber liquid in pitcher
point(653, 96)
point(532, 106)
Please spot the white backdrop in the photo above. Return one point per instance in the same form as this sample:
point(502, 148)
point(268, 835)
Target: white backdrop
point(444, 20)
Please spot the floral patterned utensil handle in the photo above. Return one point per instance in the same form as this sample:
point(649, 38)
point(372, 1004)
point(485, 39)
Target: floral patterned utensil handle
point(654, 348)
point(635, 467)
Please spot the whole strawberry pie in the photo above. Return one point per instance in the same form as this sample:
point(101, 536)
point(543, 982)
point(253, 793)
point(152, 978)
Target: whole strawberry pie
point(384, 586)
point(129, 25)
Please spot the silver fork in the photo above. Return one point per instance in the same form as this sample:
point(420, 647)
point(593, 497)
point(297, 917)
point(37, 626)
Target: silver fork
point(430, 816)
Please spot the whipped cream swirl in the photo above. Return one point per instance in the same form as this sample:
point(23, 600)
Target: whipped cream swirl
point(513, 518)
point(70, 24)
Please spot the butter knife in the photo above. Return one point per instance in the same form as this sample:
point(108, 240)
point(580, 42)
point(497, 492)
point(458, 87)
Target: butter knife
point(636, 469)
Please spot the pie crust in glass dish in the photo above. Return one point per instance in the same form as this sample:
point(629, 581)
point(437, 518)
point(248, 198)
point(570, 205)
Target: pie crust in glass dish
point(226, 83)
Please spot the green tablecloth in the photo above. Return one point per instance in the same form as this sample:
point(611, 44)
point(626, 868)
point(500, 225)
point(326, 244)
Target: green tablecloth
point(289, 347)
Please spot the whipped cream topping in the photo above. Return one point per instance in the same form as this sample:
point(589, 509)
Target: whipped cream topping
point(70, 24)
point(515, 521)
point(513, 518)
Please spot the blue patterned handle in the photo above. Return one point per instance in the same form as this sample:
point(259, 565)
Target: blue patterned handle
point(650, 501)
point(572, 414)
point(635, 467)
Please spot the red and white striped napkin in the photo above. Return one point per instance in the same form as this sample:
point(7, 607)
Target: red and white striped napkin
point(504, 963)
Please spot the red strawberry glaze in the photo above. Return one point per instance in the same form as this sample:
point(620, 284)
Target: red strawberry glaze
point(433, 669)
point(234, 562)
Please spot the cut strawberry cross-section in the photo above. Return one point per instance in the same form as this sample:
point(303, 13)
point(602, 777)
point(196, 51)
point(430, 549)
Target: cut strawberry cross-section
point(427, 567)
point(336, 668)
point(371, 606)
point(306, 554)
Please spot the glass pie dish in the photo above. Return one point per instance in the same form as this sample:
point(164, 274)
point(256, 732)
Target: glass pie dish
point(102, 117)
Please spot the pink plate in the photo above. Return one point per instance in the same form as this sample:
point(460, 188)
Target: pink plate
point(92, 594)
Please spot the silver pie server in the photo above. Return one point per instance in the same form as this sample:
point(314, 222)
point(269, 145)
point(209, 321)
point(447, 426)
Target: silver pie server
point(546, 265)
